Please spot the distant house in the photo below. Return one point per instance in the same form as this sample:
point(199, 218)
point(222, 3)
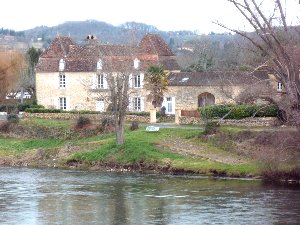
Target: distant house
point(70, 76)
point(18, 95)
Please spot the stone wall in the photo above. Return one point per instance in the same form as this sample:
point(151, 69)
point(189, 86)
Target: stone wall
point(257, 121)
point(72, 116)
point(251, 122)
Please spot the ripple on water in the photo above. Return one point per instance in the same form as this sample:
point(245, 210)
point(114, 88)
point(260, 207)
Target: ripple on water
point(79, 197)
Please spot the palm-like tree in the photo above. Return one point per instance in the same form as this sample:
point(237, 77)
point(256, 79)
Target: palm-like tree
point(156, 83)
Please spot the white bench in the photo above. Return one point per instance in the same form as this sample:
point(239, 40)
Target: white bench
point(152, 129)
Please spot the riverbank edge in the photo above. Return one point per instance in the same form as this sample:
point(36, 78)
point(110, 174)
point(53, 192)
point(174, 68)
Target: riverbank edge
point(138, 168)
point(116, 167)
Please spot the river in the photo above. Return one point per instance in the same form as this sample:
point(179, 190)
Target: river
point(45, 196)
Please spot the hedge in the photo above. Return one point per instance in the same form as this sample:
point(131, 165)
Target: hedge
point(43, 110)
point(21, 107)
point(238, 111)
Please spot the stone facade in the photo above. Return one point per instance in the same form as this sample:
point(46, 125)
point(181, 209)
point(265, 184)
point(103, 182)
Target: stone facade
point(248, 122)
point(69, 77)
point(75, 77)
point(186, 97)
point(78, 90)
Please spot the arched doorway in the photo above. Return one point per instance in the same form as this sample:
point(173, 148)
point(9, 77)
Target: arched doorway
point(206, 99)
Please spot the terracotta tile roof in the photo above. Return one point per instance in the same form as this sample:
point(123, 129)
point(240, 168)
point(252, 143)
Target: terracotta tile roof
point(58, 48)
point(215, 78)
point(153, 44)
point(47, 65)
point(169, 63)
point(98, 51)
point(80, 58)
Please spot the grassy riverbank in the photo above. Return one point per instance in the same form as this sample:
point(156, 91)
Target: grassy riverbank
point(169, 150)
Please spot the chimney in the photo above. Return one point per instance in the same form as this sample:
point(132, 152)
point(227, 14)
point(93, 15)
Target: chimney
point(91, 39)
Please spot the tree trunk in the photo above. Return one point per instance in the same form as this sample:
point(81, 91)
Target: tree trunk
point(22, 95)
point(120, 131)
point(294, 118)
point(294, 105)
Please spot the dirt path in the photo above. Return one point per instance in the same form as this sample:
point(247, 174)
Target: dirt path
point(188, 148)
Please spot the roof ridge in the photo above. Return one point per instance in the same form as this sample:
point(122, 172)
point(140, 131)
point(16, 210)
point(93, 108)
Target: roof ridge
point(61, 45)
point(150, 36)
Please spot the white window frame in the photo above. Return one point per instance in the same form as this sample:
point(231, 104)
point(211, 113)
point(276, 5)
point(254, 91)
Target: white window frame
point(279, 86)
point(61, 66)
point(99, 64)
point(137, 81)
point(169, 108)
point(100, 81)
point(137, 104)
point(169, 104)
point(63, 103)
point(102, 103)
point(136, 63)
point(62, 80)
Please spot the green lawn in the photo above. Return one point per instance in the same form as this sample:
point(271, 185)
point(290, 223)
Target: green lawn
point(12, 146)
point(140, 147)
point(51, 123)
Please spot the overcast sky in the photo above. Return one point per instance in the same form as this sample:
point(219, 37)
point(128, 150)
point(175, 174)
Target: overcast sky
point(164, 14)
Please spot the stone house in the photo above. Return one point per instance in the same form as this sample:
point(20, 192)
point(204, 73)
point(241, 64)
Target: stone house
point(70, 76)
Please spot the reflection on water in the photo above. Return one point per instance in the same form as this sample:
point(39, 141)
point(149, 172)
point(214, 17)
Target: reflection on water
point(42, 196)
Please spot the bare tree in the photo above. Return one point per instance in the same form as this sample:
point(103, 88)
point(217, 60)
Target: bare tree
point(10, 66)
point(118, 76)
point(273, 38)
point(115, 73)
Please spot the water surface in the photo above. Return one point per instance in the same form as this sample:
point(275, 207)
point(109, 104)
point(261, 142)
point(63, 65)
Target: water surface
point(44, 196)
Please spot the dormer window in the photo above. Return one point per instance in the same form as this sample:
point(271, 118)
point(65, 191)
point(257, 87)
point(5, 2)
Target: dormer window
point(136, 63)
point(61, 65)
point(279, 87)
point(185, 79)
point(99, 64)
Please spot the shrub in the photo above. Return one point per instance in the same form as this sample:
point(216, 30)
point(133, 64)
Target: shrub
point(12, 118)
point(20, 107)
point(4, 127)
point(12, 109)
point(134, 125)
point(107, 122)
point(242, 111)
point(238, 111)
point(42, 110)
point(83, 112)
point(214, 111)
point(211, 127)
point(23, 106)
point(139, 113)
point(270, 111)
point(82, 122)
point(2, 108)
point(158, 114)
point(37, 106)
